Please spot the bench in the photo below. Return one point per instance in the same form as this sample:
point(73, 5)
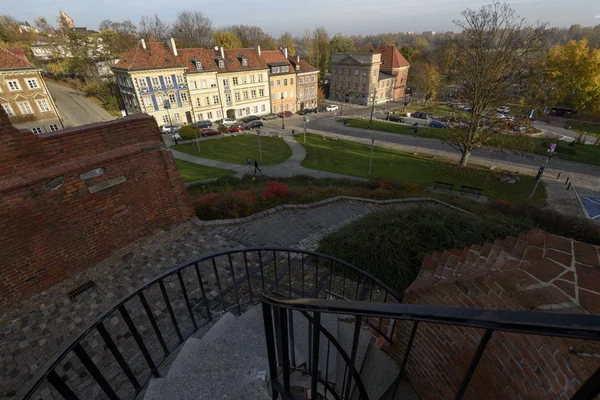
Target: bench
point(471, 190)
point(443, 185)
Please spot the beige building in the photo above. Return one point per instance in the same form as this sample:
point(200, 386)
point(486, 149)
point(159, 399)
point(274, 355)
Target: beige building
point(24, 95)
point(282, 80)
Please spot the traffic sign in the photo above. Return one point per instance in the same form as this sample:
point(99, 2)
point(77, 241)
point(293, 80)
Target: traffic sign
point(553, 147)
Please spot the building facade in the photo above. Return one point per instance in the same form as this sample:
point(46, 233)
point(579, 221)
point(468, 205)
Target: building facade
point(307, 82)
point(183, 86)
point(282, 80)
point(362, 78)
point(24, 94)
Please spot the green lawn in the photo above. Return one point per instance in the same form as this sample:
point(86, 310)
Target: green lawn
point(236, 149)
point(351, 158)
point(394, 127)
point(191, 172)
point(589, 128)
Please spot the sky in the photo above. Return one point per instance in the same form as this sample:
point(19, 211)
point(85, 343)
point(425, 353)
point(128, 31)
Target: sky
point(338, 16)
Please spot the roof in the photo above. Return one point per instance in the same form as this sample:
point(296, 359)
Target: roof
point(206, 57)
point(234, 63)
point(362, 58)
point(274, 57)
point(156, 55)
point(13, 58)
point(391, 57)
point(304, 66)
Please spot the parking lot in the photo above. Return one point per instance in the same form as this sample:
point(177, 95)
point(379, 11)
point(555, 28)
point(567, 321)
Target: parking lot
point(592, 206)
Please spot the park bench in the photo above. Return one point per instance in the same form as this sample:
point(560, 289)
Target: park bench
point(470, 190)
point(443, 185)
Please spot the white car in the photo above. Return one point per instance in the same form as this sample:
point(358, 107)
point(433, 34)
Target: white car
point(332, 107)
point(229, 121)
point(170, 129)
point(503, 109)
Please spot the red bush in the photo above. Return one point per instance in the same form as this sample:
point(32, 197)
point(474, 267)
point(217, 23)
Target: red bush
point(385, 185)
point(275, 189)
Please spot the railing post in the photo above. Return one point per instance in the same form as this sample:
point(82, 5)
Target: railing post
point(314, 371)
point(348, 383)
point(406, 354)
point(476, 357)
point(270, 338)
point(285, 350)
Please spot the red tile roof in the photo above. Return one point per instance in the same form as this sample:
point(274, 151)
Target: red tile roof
point(273, 56)
point(156, 55)
point(13, 58)
point(206, 57)
point(391, 57)
point(304, 66)
point(233, 61)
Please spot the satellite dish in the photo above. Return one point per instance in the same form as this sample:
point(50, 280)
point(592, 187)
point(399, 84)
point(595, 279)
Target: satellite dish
point(216, 48)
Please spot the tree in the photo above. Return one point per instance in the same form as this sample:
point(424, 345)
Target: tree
point(121, 27)
point(407, 52)
point(253, 36)
point(192, 29)
point(286, 40)
point(317, 49)
point(575, 70)
point(490, 53)
point(341, 44)
point(226, 39)
point(153, 28)
point(424, 80)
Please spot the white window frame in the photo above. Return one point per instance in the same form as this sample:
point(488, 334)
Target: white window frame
point(53, 127)
point(261, 92)
point(147, 101)
point(183, 96)
point(260, 77)
point(203, 83)
point(301, 92)
point(236, 81)
point(200, 117)
point(253, 93)
point(159, 100)
point(209, 115)
point(28, 110)
point(213, 83)
point(251, 78)
point(155, 82)
point(237, 96)
point(219, 114)
point(180, 79)
point(245, 95)
point(35, 85)
point(255, 109)
point(176, 117)
point(194, 84)
point(199, 102)
point(168, 80)
point(285, 82)
point(172, 99)
point(37, 130)
point(142, 83)
point(207, 98)
point(216, 99)
point(227, 97)
point(165, 119)
point(225, 82)
point(278, 82)
point(300, 80)
point(8, 110)
point(13, 85)
point(263, 108)
point(198, 65)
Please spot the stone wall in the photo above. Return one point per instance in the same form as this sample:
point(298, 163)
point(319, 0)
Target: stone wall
point(534, 272)
point(69, 199)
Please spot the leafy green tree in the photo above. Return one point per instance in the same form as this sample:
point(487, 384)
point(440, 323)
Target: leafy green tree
point(226, 39)
point(286, 40)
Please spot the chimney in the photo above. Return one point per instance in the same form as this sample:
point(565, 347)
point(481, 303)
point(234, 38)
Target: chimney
point(298, 59)
point(222, 52)
point(285, 53)
point(258, 50)
point(172, 46)
point(143, 43)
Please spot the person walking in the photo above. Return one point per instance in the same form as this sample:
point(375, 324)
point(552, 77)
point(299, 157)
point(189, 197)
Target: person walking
point(249, 163)
point(256, 167)
point(416, 127)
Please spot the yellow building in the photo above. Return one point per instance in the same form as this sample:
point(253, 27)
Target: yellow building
point(282, 80)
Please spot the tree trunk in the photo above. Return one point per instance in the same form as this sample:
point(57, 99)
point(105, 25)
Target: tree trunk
point(464, 159)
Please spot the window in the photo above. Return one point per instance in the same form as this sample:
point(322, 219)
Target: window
point(142, 83)
point(260, 78)
point(43, 106)
point(244, 79)
point(278, 82)
point(237, 96)
point(159, 100)
point(165, 119)
point(53, 127)
point(294, 107)
point(235, 80)
point(33, 83)
point(225, 82)
point(227, 97)
point(202, 84)
point(300, 80)
point(274, 109)
point(285, 69)
point(193, 84)
point(312, 90)
point(13, 85)
point(272, 83)
point(281, 108)
point(312, 78)
point(200, 116)
point(253, 94)
point(251, 78)
point(275, 70)
point(37, 131)
point(291, 81)
point(291, 93)
point(221, 64)
point(147, 101)
point(183, 96)
point(180, 80)
point(355, 72)
point(247, 110)
point(261, 92)
point(245, 95)
point(199, 102)
point(155, 82)
point(176, 116)
point(172, 99)
point(301, 92)
point(287, 107)
point(255, 109)
point(168, 80)
point(207, 100)
point(244, 62)
point(213, 83)
point(209, 115)
point(25, 108)
point(8, 110)
point(219, 115)
point(285, 94)
point(285, 82)
point(216, 99)
point(272, 96)
point(263, 108)
point(198, 65)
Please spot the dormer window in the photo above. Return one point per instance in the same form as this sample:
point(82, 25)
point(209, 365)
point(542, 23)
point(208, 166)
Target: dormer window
point(285, 69)
point(198, 64)
point(275, 70)
point(221, 64)
point(244, 62)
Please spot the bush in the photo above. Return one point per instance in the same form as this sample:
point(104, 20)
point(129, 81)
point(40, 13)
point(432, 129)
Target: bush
point(230, 205)
point(275, 189)
point(189, 132)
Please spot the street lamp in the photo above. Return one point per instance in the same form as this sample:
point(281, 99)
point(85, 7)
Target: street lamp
point(550, 153)
point(371, 159)
point(306, 121)
point(259, 149)
point(282, 114)
point(373, 107)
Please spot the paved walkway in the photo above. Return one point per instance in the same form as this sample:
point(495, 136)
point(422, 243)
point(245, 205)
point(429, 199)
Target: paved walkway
point(74, 107)
point(33, 333)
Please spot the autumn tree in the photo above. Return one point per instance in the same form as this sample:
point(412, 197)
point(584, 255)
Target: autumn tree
point(317, 49)
point(117, 37)
point(490, 53)
point(251, 36)
point(341, 44)
point(153, 28)
point(575, 71)
point(192, 29)
point(286, 40)
point(226, 39)
point(424, 80)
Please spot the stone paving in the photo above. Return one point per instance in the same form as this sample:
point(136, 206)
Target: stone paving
point(33, 333)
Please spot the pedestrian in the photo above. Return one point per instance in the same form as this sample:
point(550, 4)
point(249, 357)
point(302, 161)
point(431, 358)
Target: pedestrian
point(415, 126)
point(249, 163)
point(256, 167)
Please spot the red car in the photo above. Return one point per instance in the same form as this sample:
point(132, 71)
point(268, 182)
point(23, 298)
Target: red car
point(235, 128)
point(210, 132)
point(285, 114)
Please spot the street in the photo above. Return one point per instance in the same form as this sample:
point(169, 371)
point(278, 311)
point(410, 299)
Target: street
point(74, 107)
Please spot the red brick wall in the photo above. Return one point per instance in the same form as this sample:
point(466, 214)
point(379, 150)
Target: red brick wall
point(535, 272)
point(49, 230)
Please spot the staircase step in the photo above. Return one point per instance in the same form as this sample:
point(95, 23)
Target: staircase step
point(301, 339)
point(378, 373)
point(345, 337)
point(405, 392)
point(234, 384)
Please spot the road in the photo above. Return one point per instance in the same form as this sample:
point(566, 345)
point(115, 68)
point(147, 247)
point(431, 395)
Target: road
point(74, 107)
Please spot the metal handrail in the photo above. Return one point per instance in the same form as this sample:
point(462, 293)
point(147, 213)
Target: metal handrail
point(74, 346)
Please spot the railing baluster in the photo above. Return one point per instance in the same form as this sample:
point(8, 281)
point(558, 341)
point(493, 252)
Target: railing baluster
point(476, 357)
point(292, 342)
point(214, 264)
point(344, 282)
point(327, 361)
point(590, 388)
point(248, 276)
point(276, 275)
point(153, 322)
point(309, 350)
point(278, 337)
point(170, 309)
point(118, 356)
point(270, 338)
point(235, 289)
point(138, 340)
point(289, 273)
point(302, 274)
point(355, 339)
point(405, 359)
point(330, 274)
point(380, 318)
point(285, 351)
point(186, 299)
point(260, 264)
point(316, 335)
point(94, 371)
point(317, 277)
point(61, 387)
point(203, 291)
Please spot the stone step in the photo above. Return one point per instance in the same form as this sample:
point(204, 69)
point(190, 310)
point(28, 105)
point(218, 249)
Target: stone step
point(301, 339)
point(378, 372)
point(345, 336)
point(235, 384)
point(404, 392)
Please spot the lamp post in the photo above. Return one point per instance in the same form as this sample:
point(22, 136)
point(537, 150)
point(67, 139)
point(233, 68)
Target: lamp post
point(306, 121)
point(371, 159)
point(259, 149)
point(550, 153)
point(373, 106)
point(282, 114)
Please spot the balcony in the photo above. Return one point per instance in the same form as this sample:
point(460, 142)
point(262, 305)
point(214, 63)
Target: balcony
point(282, 322)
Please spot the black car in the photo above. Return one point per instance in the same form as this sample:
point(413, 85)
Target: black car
point(254, 124)
point(306, 111)
point(251, 118)
point(421, 115)
point(203, 124)
point(394, 118)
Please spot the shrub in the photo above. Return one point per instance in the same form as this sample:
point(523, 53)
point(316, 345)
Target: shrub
point(275, 189)
point(385, 185)
point(231, 205)
point(412, 189)
point(189, 132)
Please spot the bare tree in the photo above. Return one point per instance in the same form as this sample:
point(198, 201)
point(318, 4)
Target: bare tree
point(192, 29)
point(153, 28)
point(254, 36)
point(490, 54)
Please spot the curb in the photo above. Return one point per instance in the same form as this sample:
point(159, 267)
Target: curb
point(585, 212)
point(284, 207)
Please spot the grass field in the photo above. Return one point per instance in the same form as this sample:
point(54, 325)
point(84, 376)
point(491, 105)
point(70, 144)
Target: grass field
point(589, 128)
point(351, 158)
point(191, 172)
point(236, 149)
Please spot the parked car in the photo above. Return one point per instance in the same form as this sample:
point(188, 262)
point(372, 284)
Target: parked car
point(419, 114)
point(254, 125)
point(438, 124)
point(285, 114)
point(319, 109)
point(503, 109)
point(170, 129)
point(229, 121)
point(235, 128)
point(251, 118)
point(305, 111)
point(394, 118)
point(203, 124)
point(331, 107)
point(500, 116)
point(269, 117)
point(209, 132)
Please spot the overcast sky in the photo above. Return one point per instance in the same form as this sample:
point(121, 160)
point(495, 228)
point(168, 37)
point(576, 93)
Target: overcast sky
point(275, 17)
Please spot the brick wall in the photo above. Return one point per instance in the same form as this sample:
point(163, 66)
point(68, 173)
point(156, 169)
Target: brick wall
point(69, 199)
point(534, 272)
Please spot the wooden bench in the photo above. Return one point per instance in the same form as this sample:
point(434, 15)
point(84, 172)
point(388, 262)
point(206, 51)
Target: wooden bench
point(471, 190)
point(443, 185)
